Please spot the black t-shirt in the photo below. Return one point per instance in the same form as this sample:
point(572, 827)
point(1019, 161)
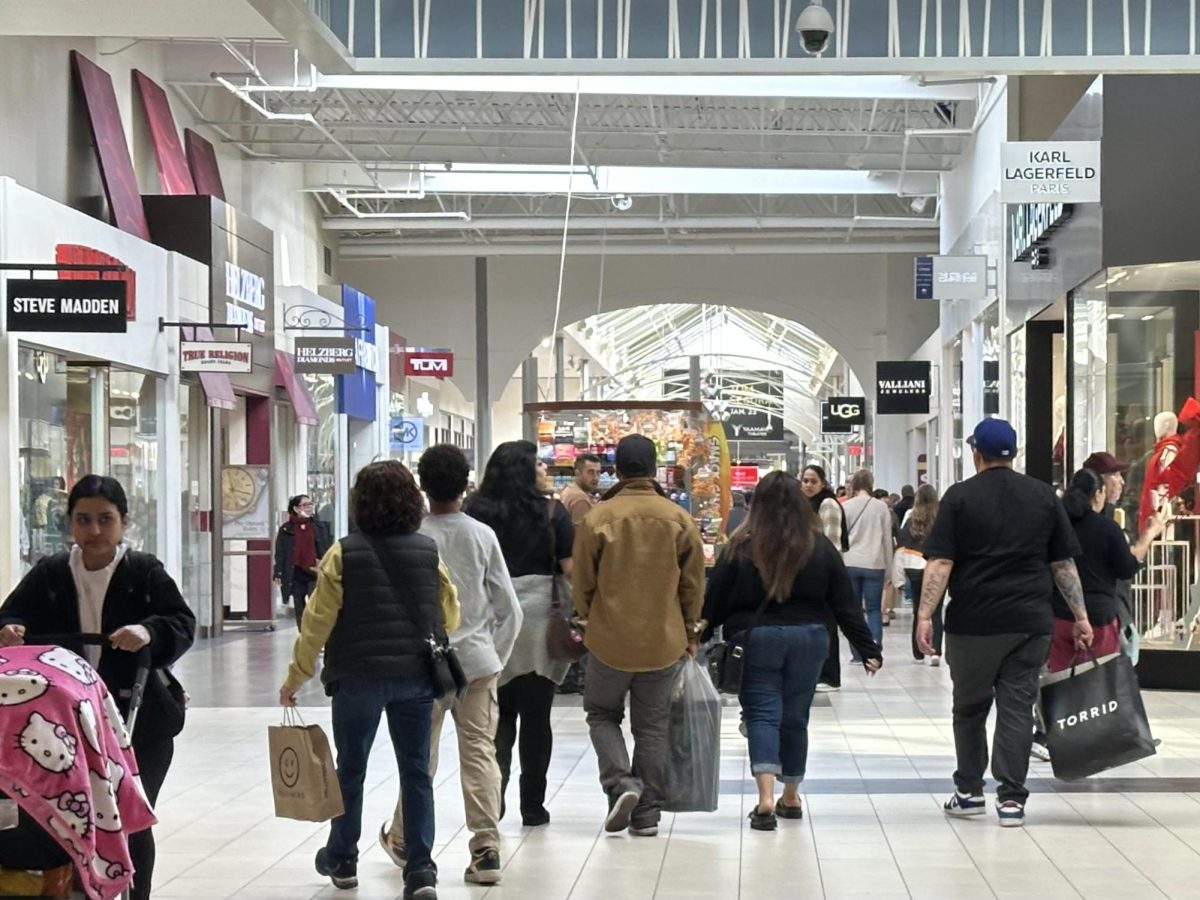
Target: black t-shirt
point(1106, 558)
point(1001, 530)
point(527, 545)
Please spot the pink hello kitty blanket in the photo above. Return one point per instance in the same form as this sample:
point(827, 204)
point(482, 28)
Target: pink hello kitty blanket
point(65, 758)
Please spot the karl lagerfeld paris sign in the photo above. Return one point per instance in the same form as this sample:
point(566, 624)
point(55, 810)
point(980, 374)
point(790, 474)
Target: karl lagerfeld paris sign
point(903, 388)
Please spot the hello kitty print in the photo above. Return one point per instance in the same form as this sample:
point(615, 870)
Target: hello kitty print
point(65, 757)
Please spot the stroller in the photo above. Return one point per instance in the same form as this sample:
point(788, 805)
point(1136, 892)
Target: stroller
point(30, 858)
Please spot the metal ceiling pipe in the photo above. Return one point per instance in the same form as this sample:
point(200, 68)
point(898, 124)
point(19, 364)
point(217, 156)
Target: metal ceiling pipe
point(405, 249)
point(436, 221)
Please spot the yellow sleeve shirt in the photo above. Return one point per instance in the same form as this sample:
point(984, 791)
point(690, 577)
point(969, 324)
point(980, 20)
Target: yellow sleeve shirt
point(325, 604)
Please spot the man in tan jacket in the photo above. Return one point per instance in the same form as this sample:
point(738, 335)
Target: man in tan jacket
point(639, 583)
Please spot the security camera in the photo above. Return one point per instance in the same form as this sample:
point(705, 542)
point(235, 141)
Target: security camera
point(815, 25)
point(622, 201)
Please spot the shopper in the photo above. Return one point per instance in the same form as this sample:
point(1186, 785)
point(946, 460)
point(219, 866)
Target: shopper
point(906, 502)
point(535, 536)
point(869, 527)
point(831, 519)
point(775, 586)
point(381, 593)
point(1106, 559)
point(908, 565)
point(301, 542)
point(580, 495)
point(490, 618)
point(1002, 543)
point(737, 514)
point(102, 586)
point(639, 583)
point(1112, 471)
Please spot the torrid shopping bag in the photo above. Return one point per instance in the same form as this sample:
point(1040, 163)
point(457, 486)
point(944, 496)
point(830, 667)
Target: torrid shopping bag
point(303, 776)
point(1094, 717)
point(694, 735)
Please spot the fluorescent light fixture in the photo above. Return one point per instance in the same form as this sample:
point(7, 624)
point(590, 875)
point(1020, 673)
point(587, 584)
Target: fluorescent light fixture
point(1112, 316)
point(1147, 317)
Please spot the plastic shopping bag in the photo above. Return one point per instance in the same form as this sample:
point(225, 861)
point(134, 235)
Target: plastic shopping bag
point(694, 736)
point(1094, 717)
point(303, 776)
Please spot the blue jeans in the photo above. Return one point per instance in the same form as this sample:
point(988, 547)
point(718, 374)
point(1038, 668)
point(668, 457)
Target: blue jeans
point(358, 704)
point(868, 586)
point(779, 679)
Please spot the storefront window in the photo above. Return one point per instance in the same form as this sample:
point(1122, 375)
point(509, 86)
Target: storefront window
point(133, 452)
point(1089, 370)
point(323, 449)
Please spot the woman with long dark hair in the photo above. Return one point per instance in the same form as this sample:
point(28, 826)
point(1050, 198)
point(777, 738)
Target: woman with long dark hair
point(908, 563)
point(772, 590)
point(832, 522)
point(102, 586)
point(301, 542)
point(1106, 559)
point(382, 594)
point(536, 537)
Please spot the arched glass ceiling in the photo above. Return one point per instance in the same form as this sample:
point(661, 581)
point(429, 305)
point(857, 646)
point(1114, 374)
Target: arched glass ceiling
point(636, 345)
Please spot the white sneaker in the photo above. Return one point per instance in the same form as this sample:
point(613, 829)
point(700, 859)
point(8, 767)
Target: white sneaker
point(935, 661)
point(823, 688)
point(1040, 752)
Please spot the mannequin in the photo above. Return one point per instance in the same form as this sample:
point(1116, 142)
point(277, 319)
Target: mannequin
point(1173, 461)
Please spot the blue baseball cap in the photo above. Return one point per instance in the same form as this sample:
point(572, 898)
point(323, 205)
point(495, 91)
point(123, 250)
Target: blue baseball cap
point(994, 438)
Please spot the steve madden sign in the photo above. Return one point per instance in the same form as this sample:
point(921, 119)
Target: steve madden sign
point(1033, 172)
point(902, 388)
point(226, 357)
point(93, 305)
point(325, 356)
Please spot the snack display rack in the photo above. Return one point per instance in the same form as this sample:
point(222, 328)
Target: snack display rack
point(693, 459)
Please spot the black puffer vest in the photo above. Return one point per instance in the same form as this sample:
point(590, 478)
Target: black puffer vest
point(379, 632)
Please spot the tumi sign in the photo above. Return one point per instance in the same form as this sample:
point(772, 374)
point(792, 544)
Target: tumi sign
point(326, 356)
point(428, 363)
point(67, 305)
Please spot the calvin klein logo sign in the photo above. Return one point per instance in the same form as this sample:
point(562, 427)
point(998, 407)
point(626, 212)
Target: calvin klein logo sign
point(902, 388)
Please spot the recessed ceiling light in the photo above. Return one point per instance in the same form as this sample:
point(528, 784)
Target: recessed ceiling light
point(1147, 317)
point(1116, 316)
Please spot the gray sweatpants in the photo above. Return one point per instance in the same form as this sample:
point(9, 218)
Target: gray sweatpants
point(604, 692)
point(1003, 668)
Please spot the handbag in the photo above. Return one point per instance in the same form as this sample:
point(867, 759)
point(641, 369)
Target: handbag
point(564, 641)
point(445, 669)
point(728, 658)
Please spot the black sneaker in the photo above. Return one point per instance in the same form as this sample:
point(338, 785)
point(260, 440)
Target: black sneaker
point(344, 874)
point(622, 809)
point(484, 867)
point(644, 829)
point(421, 885)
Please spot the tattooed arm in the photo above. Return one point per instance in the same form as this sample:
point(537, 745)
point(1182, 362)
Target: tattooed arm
point(933, 588)
point(1066, 577)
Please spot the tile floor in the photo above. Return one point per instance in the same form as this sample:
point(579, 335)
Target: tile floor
point(879, 768)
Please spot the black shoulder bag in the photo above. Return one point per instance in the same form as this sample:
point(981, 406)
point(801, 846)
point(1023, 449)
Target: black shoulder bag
point(446, 672)
point(729, 657)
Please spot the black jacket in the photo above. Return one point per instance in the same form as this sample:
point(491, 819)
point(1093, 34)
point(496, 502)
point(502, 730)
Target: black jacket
point(140, 593)
point(284, 541)
point(384, 625)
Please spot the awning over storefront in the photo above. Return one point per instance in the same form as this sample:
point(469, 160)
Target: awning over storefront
point(297, 391)
point(218, 389)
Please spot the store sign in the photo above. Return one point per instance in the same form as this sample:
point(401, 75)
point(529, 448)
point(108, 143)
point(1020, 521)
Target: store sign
point(839, 415)
point(79, 255)
point(903, 388)
point(356, 391)
point(1036, 171)
point(743, 478)
point(325, 356)
point(408, 435)
point(744, 424)
point(247, 291)
point(426, 363)
point(1032, 223)
point(991, 387)
point(950, 278)
point(245, 506)
point(225, 357)
point(67, 305)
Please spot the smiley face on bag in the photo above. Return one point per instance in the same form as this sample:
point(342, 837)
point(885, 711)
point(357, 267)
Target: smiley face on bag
point(289, 767)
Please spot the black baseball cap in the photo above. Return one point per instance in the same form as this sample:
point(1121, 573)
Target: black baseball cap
point(637, 457)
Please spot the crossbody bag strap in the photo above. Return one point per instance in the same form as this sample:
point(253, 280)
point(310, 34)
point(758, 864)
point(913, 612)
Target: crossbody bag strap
point(417, 617)
point(861, 513)
point(555, 602)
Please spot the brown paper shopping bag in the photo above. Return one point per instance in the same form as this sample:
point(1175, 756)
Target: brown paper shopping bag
point(303, 776)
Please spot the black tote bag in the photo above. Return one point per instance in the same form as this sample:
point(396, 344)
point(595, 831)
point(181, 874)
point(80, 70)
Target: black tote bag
point(1094, 718)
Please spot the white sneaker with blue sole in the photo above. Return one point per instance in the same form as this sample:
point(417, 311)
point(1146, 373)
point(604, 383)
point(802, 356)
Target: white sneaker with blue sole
point(1011, 813)
point(961, 805)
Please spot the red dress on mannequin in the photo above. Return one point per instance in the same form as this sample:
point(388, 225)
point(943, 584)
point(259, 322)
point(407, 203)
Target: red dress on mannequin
point(1179, 472)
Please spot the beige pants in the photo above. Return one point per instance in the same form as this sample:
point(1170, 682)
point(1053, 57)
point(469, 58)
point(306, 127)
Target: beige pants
point(475, 716)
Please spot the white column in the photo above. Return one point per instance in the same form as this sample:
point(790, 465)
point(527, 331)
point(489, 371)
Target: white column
point(10, 484)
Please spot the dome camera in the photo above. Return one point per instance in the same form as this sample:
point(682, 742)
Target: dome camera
point(622, 202)
point(814, 25)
